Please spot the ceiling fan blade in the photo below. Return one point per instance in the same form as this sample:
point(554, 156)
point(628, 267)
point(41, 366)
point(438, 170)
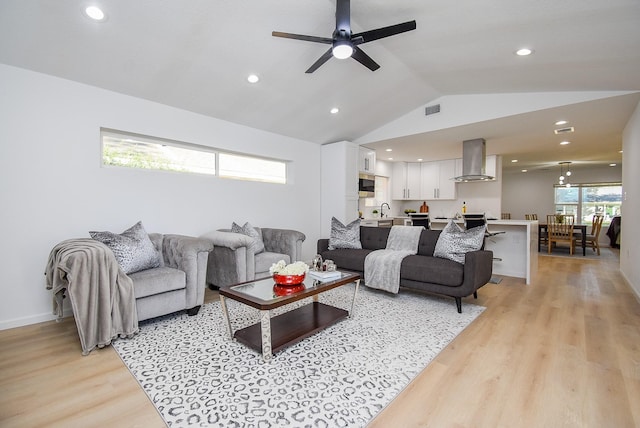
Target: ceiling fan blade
point(324, 58)
point(315, 39)
point(364, 59)
point(379, 33)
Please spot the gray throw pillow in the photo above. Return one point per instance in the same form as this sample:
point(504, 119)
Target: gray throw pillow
point(133, 249)
point(344, 236)
point(251, 232)
point(453, 242)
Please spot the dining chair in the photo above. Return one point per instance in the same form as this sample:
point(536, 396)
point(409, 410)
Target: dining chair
point(592, 238)
point(505, 216)
point(476, 220)
point(560, 230)
point(531, 216)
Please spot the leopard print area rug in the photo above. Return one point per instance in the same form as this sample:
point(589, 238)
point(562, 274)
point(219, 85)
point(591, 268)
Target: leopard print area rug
point(340, 377)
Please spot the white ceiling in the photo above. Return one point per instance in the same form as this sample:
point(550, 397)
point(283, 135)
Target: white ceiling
point(197, 54)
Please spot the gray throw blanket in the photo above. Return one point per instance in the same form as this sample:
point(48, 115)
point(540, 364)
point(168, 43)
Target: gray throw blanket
point(382, 267)
point(101, 294)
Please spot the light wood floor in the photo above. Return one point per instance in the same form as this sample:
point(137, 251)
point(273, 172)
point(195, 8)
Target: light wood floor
point(561, 352)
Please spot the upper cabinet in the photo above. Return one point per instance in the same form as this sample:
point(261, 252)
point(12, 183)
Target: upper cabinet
point(367, 160)
point(406, 180)
point(437, 179)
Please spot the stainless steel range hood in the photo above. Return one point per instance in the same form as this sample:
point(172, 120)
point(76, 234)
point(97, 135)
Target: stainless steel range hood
point(474, 161)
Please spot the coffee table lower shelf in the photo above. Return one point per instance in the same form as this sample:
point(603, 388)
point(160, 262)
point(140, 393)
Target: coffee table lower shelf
point(293, 326)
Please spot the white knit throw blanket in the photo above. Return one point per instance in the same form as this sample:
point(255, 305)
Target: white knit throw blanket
point(382, 267)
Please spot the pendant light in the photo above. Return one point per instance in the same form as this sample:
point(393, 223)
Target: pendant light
point(563, 180)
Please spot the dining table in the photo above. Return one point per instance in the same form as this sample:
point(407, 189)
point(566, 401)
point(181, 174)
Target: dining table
point(542, 227)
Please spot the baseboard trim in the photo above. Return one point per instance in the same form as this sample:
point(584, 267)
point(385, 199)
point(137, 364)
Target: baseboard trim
point(33, 319)
point(635, 292)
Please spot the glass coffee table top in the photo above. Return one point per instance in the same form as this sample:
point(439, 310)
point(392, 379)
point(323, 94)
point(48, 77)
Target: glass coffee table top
point(262, 293)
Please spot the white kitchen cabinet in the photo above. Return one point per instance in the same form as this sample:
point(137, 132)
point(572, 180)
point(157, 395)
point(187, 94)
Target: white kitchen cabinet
point(406, 180)
point(339, 178)
point(367, 160)
point(437, 180)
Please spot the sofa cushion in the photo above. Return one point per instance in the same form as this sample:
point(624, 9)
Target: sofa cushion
point(159, 280)
point(453, 242)
point(428, 240)
point(133, 249)
point(348, 259)
point(374, 238)
point(432, 270)
point(265, 259)
point(344, 236)
point(252, 232)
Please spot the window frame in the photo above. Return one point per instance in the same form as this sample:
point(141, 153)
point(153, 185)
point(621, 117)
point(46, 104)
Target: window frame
point(581, 204)
point(245, 175)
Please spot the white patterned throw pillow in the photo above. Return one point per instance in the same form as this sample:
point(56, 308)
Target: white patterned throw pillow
point(344, 236)
point(453, 242)
point(133, 249)
point(251, 232)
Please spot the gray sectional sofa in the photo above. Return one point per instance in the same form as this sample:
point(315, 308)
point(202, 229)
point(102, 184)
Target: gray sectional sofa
point(422, 271)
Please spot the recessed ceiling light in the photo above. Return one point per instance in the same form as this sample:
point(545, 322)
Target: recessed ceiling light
point(564, 143)
point(612, 164)
point(334, 110)
point(388, 150)
point(390, 158)
point(95, 13)
point(561, 122)
point(514, 160)
point(420, 160)
point(619, 151)
point(524, 170)
point(253, 78)
point(524, 52)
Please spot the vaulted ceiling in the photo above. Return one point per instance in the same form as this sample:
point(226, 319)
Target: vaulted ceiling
point(197, 54)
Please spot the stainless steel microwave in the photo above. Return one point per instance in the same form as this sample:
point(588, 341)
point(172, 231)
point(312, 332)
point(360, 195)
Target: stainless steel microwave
point(367, 186)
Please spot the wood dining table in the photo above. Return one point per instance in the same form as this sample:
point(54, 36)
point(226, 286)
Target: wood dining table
point(542, 227)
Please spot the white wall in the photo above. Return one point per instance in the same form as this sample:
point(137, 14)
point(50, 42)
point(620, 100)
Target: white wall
point(532, 192)
point(54, 188)
point(630, 230)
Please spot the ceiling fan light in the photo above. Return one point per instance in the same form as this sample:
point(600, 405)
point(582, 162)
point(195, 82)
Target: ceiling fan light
point(342, 49)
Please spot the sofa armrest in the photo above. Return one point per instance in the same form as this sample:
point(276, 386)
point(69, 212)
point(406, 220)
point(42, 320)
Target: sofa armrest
point(284, 241)
point(231, 240)
point(188, 254)
point(478, 268)
point(323, 245)
point(232, 260)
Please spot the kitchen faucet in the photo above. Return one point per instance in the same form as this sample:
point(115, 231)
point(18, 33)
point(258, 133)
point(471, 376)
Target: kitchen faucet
point(382, 205)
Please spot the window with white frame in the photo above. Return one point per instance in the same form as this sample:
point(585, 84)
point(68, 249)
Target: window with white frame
point(585, 200)
point(144, 152)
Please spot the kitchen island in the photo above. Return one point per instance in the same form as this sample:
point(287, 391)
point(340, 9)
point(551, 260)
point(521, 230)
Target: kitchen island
point(515, 251)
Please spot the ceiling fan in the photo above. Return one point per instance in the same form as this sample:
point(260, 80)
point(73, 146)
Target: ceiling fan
point(343, 43)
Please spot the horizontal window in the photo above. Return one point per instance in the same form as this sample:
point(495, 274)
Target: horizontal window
point(137, 151)
point(251, 168)
point(586, 200)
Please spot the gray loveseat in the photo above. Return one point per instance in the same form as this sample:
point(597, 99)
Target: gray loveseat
point(235, 257)
point(422, 271)
point(178, 283)
point(106, 301)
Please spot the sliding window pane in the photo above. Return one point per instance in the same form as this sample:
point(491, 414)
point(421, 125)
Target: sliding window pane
point(251, 168)
point(566, 199)
point(133, 152)
point(606, 200)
